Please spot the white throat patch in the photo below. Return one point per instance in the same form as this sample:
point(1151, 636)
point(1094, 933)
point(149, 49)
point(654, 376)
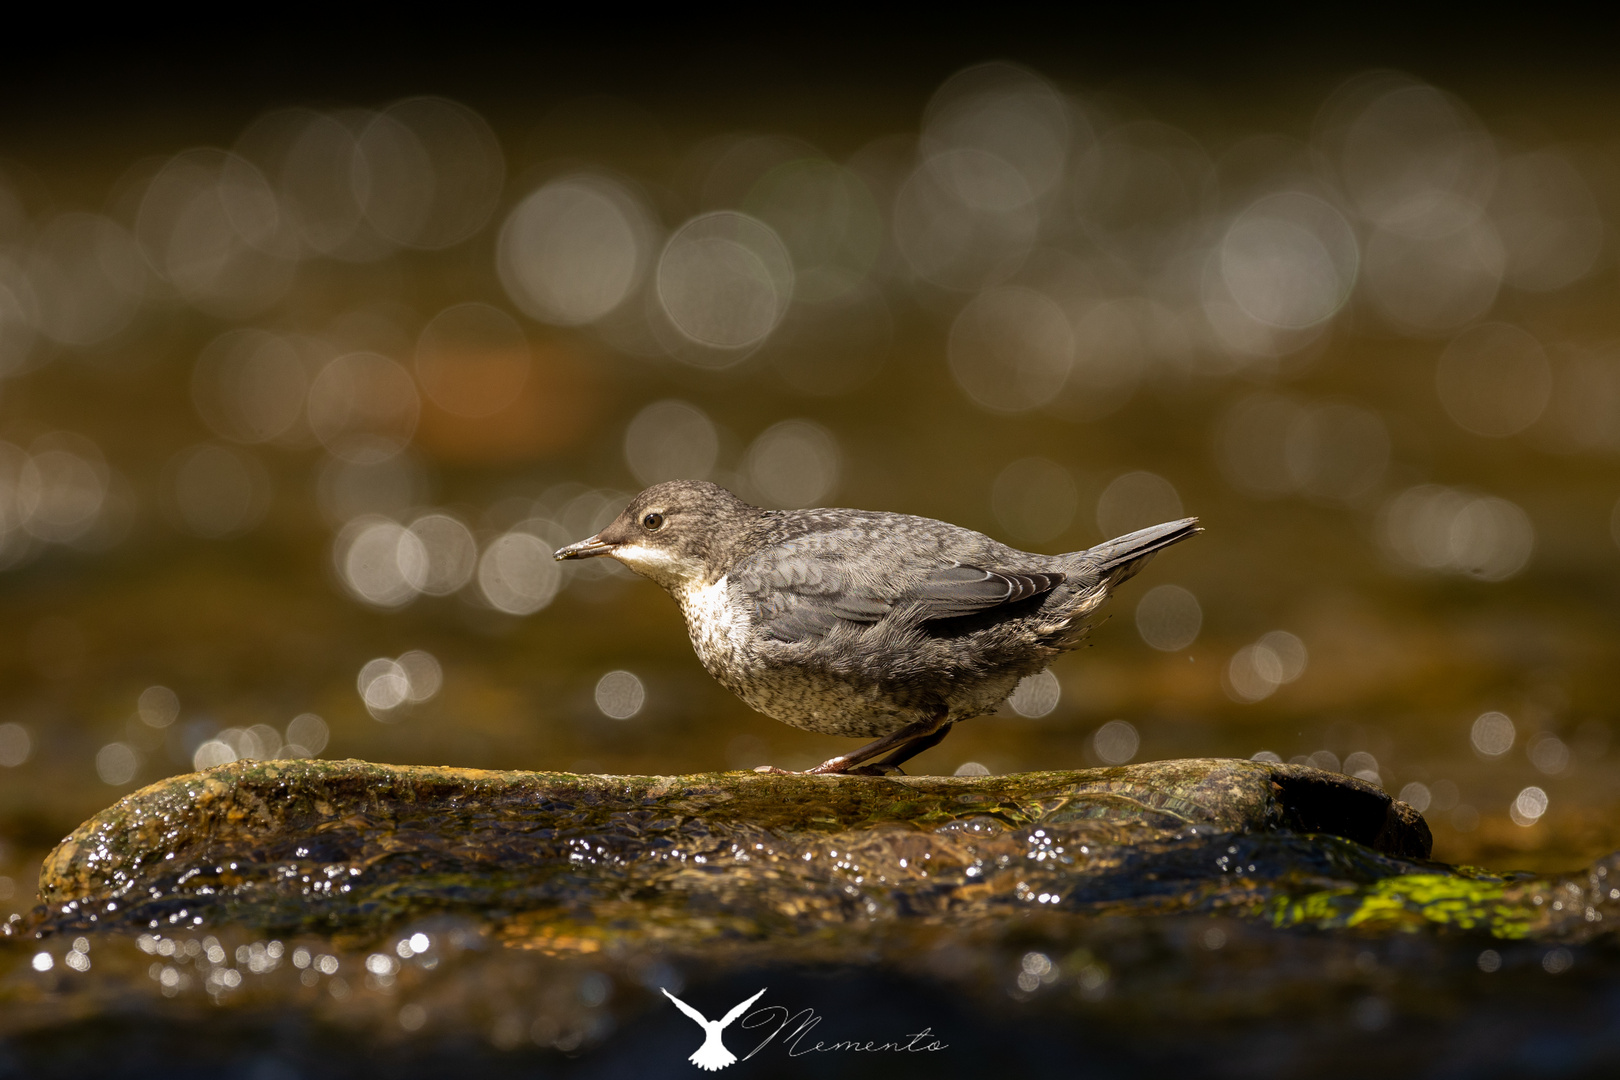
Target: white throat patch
point(660, 565)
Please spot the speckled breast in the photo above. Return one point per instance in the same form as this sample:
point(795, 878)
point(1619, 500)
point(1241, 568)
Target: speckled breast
point(788, 684)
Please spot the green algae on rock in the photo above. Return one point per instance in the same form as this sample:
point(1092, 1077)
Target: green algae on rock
point(1574, 907)
point(1460, 900)
point(353, 847)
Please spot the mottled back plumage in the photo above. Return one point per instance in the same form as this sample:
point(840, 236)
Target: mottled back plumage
point(855, 622)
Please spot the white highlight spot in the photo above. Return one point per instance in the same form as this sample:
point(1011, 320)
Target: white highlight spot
point(1256, 671)
point(1492, 734)
point(517, 574)
point(1416, 795)
point(15, 745)
point(1036, 695)
point(1452, 530)
point(793, 464)
point(1528, 807)
point(1168, 618)
point(620, 695)
point(671, 440)
point(116, 764)
point(574, 250)
point(725, 280)
point(1116, 742)
point(158, 706)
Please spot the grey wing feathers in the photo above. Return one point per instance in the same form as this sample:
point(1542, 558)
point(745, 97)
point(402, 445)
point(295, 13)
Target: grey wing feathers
point(798, 596)
point(803, 596)
point(800, 619)
point(963, 590)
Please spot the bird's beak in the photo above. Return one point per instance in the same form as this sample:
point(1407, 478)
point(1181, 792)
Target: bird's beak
point(588, 548)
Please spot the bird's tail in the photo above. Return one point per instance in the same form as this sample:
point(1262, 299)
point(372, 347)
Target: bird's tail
point(1118, 559)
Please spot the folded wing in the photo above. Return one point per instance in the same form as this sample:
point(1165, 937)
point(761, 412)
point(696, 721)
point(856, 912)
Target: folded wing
point(966, 590)
point(805, 591)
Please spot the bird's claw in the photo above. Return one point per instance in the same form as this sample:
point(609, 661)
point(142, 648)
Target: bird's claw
point(835, 767)
point(875, 770)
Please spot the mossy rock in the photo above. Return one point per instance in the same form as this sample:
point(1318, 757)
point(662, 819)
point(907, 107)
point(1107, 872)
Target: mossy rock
point(1206, 896)
point(354, 847)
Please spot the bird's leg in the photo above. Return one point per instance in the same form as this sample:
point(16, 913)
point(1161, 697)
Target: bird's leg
point(894, 741)
point(892, 763)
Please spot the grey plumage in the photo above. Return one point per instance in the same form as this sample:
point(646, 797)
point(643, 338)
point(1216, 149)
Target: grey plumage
point(860, 623)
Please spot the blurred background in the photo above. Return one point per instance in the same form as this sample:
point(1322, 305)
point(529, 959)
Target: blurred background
point(306, 368)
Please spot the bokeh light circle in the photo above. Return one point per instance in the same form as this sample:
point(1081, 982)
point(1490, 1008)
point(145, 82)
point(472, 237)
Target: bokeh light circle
point(671, 440)
point(793, 464)
point(574, 250)
point(725, 280)
point(1011, 349)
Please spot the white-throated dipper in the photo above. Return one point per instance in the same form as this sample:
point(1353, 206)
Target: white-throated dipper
point(862, 623)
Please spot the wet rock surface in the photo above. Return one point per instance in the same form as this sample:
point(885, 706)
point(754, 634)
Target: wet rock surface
point(354, 847)
point(418, 918)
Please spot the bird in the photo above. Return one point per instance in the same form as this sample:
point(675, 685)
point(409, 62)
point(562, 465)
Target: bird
point(712, 1056)
point(863, 623)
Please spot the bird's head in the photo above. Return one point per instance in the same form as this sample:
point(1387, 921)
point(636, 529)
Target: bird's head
point(678, 533)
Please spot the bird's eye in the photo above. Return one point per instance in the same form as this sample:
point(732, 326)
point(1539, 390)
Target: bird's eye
point(653, 522)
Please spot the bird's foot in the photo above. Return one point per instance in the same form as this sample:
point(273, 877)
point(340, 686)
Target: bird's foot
point(876, 769)
point(836, 767)
point(843, 766)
